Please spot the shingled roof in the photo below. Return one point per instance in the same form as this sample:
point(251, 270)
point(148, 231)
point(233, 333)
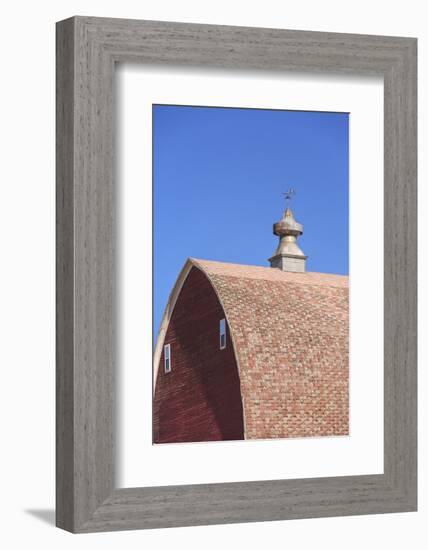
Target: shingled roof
point(290, 336)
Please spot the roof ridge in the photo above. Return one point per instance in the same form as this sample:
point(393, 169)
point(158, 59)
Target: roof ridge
point(230, 269)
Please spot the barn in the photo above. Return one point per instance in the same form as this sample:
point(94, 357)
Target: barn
point(251, 352)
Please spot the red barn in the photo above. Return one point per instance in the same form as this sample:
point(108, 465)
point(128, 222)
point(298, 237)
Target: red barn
point(249, 352)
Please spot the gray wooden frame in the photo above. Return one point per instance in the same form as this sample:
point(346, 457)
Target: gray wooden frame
point(87, 50)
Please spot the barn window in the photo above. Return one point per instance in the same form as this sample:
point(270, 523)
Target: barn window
point(167, 357)
point(222, 333)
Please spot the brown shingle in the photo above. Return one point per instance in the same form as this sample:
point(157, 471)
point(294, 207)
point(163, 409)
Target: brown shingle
point(290, 334)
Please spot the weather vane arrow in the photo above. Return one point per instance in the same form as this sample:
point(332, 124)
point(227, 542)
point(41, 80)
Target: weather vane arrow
point(289, 194)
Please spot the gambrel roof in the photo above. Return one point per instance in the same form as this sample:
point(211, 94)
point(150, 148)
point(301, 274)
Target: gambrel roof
point(290, 337)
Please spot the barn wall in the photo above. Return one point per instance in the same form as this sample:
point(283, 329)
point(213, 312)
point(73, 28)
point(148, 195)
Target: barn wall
point(200, 399)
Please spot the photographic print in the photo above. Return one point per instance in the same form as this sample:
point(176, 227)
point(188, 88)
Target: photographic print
point(251, 264)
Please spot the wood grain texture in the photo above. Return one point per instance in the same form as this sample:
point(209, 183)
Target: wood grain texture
point(87, 49)
point(64, 278)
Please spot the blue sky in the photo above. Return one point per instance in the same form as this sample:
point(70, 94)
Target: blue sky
point(218, 179)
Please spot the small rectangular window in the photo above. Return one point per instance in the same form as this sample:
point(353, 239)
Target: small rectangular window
point(222, 333)
point(167, 357)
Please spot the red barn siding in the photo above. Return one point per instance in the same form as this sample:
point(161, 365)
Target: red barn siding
point(200, 399)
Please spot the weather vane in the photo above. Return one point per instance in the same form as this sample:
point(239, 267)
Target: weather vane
point(289, 194)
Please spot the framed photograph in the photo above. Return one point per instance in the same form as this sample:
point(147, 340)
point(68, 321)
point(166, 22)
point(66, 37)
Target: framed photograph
point(236, 274)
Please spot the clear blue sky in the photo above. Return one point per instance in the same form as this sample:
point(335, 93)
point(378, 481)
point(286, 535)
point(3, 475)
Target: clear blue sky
point(218, 177)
